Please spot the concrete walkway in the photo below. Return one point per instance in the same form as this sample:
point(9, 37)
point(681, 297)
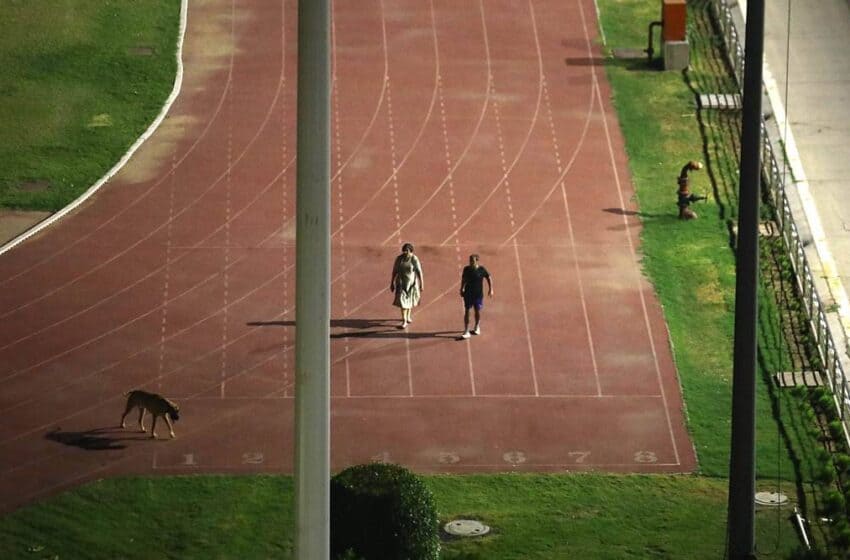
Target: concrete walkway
point(807, 75)
point(15, 222)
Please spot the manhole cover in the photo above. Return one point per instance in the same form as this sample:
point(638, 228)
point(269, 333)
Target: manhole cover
point(466, 528)
point(771, 499)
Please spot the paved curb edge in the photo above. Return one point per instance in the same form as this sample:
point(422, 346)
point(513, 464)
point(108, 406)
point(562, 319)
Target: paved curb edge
point(178, 83)
point(828, 276)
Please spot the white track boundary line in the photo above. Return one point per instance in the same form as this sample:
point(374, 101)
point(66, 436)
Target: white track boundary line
point(175, 90)
point(525, 317)
point(562, 396)
point(340, 184)
point(617, 181)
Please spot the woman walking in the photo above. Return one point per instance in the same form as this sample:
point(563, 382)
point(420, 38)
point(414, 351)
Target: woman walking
point(407, 283)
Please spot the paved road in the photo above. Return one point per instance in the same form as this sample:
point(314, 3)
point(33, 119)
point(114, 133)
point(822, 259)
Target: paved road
point(812, 76)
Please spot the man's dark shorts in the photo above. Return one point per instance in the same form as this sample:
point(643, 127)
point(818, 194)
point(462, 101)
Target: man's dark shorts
point(471, 301)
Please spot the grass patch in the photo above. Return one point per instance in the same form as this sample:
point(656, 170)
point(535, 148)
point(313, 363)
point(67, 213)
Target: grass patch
point(691, 263)
point(531, 516)
point(80, 83)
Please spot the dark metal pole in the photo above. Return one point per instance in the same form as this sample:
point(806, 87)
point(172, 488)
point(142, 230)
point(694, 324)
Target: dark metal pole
point(742, 464)
point(312, 291)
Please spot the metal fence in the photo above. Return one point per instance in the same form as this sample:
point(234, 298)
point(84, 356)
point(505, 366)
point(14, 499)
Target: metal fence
point(774, 180)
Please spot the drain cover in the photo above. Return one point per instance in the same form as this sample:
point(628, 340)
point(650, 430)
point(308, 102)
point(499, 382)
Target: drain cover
point(466, 528)
point(771, 499)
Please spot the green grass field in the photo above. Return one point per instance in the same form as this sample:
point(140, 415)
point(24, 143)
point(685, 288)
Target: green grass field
point(535, 517)
point(80, 82)
point(595, 516)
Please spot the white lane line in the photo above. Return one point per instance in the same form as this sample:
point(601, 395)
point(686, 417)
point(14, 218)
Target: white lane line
point(560, 168)
point(426, 119)
point(450, 182)
point(512, 222)
point(525, 317)
point(228, 187)
point(637, 272)
point(472, 136)
point(525, 140)
point(166, 282)
point(156, 230)
point(284, 211)
point(493, 396)
point(262, 126)
point(175, 90)
point(396, 201)
point(340, 184)
point(559, 180)
point(142, 196)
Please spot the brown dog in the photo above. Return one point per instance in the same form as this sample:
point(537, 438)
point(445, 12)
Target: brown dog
point(157, 405)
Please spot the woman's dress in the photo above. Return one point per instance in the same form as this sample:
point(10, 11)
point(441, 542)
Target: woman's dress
point(406, 287)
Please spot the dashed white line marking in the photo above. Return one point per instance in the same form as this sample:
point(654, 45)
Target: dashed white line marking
point(613, 163)
point(573, 245)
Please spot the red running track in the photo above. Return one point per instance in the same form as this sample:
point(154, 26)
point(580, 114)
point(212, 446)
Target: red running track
point(481, 126)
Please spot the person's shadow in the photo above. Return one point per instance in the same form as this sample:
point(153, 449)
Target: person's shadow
point(271, 323)
point(382, 328)
point(99, 439)
point(367, 328)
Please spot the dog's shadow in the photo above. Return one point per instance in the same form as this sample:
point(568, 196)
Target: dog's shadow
point(99, 439)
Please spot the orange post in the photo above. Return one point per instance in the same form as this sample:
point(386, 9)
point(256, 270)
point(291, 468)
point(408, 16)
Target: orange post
point(674, 17)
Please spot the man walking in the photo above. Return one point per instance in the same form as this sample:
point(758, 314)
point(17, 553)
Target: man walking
point(472, 291)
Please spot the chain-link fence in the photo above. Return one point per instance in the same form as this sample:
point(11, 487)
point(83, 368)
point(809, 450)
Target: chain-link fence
point(774, 179)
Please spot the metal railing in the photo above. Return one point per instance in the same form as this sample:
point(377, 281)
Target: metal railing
point(774, 178)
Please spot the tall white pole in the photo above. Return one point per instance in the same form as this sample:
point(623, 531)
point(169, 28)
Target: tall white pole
point(312, 293)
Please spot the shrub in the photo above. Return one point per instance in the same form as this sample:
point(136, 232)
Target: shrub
point(833, 503)
point(381, 511)
point(841, 532)
point(827, 405)
point(822, 455)
point(842, 462)
point(836, 430)
point(826, 474)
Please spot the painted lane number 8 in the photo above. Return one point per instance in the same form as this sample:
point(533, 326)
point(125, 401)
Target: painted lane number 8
point(645, 457)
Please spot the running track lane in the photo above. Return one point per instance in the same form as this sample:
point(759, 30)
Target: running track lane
point(480, 126)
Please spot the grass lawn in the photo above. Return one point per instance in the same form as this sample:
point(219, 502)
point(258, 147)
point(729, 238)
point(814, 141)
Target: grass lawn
point(81, 80)
point(533, 517)
point(542, 516)
point(691, 263)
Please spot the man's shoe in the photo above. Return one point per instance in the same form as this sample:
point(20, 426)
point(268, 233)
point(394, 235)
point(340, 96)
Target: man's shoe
point(465, 334)
point(477, 330)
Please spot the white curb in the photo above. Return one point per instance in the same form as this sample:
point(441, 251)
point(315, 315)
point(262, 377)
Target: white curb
point(178, 82)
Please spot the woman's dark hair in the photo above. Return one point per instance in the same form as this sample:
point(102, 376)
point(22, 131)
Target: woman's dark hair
point(407, 246)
